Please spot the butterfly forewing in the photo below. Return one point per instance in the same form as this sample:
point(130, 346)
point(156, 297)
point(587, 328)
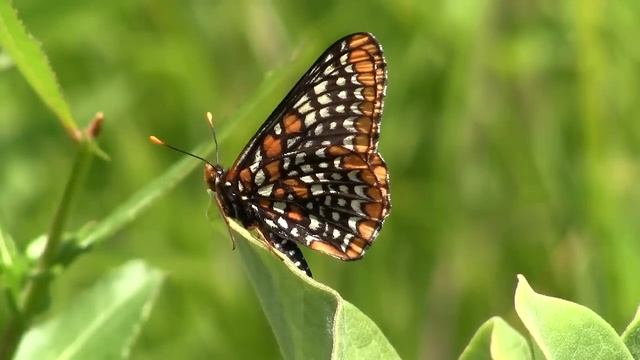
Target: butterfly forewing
point(312, 173)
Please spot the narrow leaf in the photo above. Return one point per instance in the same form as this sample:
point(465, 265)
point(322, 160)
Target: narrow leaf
point(631, 336)
point(495, 339)
point(101, 323)
point(8, 252)
point(33, 64)
point(565, 330)
point(309, 319)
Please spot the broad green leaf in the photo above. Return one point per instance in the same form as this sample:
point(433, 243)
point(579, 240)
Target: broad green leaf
point(565, 330)
point(495, 339)
point(631, 336)
point(102, 323)
point(309, 319)
point(33, 64)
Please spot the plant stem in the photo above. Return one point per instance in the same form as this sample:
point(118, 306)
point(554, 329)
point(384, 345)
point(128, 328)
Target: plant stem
point(35, 291)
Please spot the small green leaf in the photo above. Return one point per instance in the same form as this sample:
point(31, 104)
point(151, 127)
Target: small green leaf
point(495, 339)
point(8, 252)
point(101, 323)
point(33, 64)
point(631, 336)
point(565, 330)
point(357, 337)
point(309, 319)
point(13, 264)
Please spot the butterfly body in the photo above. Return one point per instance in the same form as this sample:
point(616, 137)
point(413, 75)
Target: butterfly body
point(312, 174)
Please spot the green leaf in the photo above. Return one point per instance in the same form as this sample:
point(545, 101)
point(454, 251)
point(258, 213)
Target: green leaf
point(101, 323)
point(631, 336)
point(33, 64)
point(565, 330)
point(495, 339)
point(13, 265)
point(309, 319)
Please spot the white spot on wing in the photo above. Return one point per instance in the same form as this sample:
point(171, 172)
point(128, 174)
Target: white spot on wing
point(265, 190)
point(310, 119)
point(305, 108)
point(282, 222)
point(302, 100)
point(260, 178)
point(316, 189)
point(320, 88)
point(300, 158)
point(315, 224)
point(353, 221)
point(279, 206)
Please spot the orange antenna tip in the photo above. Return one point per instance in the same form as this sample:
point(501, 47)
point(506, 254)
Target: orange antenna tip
point(155, 140)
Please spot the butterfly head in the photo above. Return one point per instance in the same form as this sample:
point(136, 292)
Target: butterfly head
point(213, 176)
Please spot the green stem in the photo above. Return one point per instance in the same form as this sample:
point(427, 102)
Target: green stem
point(37, 287)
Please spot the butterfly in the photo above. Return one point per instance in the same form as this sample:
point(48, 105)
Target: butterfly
point(312, 174)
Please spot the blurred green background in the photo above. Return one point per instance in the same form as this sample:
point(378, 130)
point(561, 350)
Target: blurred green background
point(510, 129)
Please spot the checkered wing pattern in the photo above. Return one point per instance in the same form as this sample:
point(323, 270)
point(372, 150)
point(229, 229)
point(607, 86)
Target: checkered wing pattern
point(312, 174)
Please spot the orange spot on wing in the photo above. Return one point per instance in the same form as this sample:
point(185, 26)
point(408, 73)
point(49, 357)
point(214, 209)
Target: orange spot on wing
point(358, 55)
point(245, 176)
point(369, 93)
point(294, 215)
point(292, 123)
point(370, 48)
point(273, 168)
point(279, 193)
point(374, 194)
point(364, 66)
point(373, 209)
point(272, 146)
point(366, 107)
point(353, 162)
point(366, 79)
point(368, 177)
point(365, 228)
point(301, 191)
point(381, 174)
point(358, 40)
point(336, 150)
point(361, 143)
point(358, 245)
point(264, 203)
point(363, 125)
point(328, 249)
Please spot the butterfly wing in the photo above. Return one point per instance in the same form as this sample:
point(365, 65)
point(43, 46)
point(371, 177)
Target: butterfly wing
point(312, 174)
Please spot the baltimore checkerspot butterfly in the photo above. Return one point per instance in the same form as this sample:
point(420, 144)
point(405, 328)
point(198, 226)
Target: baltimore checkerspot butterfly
point(312, 174)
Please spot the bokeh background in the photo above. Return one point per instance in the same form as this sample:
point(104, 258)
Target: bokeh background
point(510, 129)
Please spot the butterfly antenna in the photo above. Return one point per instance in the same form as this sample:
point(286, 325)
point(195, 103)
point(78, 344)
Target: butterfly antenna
point(157, 141)
point(213, 133)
